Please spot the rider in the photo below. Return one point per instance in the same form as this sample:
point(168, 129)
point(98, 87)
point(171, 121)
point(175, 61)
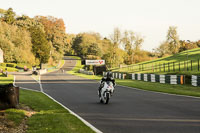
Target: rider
point(108, 77)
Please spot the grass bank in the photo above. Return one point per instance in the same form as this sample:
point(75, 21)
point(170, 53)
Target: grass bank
point(186, 62)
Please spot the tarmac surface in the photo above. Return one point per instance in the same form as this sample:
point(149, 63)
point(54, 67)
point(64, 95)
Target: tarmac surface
point(128, 111)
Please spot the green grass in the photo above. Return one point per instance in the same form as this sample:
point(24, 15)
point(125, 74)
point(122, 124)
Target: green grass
point(6, 80)
point(193, 54)
point(9, 69)
point(166, 88)
point(50, 116)
point(15, 116)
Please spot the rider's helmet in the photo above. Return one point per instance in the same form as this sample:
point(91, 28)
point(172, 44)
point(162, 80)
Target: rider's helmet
point(109, 75)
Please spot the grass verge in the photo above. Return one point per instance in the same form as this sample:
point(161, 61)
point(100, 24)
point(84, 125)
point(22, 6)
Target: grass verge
point(6, 80)
point(50, 116)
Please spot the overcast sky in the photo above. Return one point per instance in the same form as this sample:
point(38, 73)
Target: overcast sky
point(149, 18)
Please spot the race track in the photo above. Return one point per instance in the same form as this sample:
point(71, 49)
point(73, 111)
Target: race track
point(129, 110)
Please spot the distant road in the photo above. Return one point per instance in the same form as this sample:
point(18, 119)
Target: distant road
point(129, 110)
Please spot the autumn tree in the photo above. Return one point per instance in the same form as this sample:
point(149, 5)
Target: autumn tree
point(55, 33)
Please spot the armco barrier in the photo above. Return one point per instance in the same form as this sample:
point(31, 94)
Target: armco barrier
point(153, 78)
point(145, 77)
point(133, 76)
point(149, 77)
point(195, 80)
point(142, 77)
point(162, 79)
point(169, 79)
point(173, 79)
point(139, 76)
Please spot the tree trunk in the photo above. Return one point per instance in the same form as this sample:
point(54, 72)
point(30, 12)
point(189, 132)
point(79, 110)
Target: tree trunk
point(9, 96)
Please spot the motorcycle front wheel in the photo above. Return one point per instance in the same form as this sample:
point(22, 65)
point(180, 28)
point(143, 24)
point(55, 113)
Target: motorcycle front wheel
point(107, 98)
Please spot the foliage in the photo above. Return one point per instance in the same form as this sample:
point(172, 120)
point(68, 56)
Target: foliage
point(16, 44)
point(41, 48)
point(55, 33)
point(26, 22)
point(9, 16)
point(85, 44)
point(173, 40)
point(30, 40)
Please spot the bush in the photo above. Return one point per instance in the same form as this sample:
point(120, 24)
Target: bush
point(10, 65)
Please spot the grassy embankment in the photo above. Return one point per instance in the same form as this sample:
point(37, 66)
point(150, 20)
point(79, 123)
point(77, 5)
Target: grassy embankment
point(166, 88)
point(193, 54)
point(48, 117)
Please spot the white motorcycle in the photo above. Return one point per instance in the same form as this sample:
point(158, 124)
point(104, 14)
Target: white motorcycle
point(106, 92)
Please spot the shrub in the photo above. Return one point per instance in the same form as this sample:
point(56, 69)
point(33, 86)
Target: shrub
point(10, 65)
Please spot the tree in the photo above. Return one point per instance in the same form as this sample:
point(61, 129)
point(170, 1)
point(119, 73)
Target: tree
point(55, 33)
point(163, 49)
point(132, 43)
point(16, 44)
point(173, 40)
point(41, 48)
point(26, 22)
point(9, 16)
point(85, 44)
point(128, 43)
point(115, 38)
point(68, 46)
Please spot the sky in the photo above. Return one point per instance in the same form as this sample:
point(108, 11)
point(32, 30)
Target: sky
point(148, 18)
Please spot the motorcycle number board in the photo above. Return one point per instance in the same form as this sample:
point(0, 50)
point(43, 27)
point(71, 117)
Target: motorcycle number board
point(94, 62)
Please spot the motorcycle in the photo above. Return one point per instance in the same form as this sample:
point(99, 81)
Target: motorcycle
point(106, 92)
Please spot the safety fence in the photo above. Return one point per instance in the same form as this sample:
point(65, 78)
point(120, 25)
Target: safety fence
point(188, 65)
point(171, 79)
